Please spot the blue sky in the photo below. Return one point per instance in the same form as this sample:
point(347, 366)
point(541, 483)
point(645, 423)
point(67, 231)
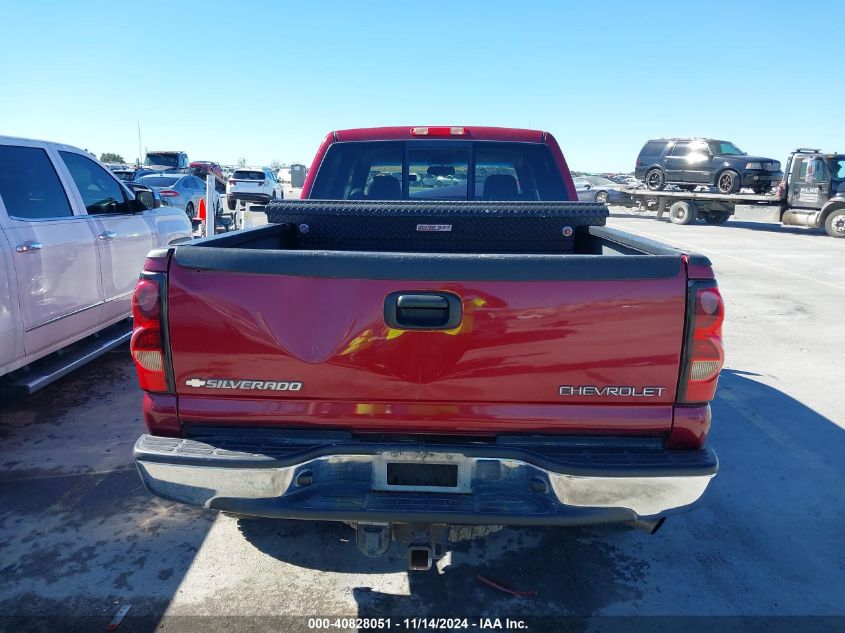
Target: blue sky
point(267, 80)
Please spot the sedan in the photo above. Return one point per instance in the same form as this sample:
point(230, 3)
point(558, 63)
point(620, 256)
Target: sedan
point(177, 190)
point(603, 190)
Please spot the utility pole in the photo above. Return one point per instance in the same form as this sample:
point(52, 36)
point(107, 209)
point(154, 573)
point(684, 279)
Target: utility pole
point(140, 156)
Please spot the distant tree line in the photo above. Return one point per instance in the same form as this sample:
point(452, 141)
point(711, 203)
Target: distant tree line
point(109, 157)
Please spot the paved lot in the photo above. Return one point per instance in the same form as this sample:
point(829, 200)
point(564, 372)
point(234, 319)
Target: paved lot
point(79, 536)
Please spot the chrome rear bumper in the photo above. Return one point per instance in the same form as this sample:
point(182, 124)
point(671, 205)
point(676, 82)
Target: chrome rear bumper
point(553, 481)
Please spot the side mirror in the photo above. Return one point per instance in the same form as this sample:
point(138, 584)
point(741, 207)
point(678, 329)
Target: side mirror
point(145, 197)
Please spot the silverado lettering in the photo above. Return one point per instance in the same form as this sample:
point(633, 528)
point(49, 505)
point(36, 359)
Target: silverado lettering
point(611, 390)
point(260, 385)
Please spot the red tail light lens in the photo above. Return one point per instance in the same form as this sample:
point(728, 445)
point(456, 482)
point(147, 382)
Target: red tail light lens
point(146, 344)
point(168, 193)
point(705, 354)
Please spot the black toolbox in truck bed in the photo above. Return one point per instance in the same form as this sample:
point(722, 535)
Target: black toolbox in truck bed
point(438, 226)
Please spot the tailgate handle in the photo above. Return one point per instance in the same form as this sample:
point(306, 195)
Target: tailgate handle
point(422, 310)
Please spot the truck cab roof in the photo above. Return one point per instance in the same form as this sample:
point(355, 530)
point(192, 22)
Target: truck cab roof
point(477, 133)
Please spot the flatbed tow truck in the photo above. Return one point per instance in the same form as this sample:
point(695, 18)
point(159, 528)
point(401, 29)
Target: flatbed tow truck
point(812, 195)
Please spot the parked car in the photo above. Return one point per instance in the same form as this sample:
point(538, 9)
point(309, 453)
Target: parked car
point(172, 161)
point(407, 365)
point(603, 190)
point(130, 174)
point(202, 167)
point(690, 162)
point(252, 184)
point(73, 239)
point(182, 192)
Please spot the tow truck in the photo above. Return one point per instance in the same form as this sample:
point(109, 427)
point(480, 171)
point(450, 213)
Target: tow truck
point(811, 194)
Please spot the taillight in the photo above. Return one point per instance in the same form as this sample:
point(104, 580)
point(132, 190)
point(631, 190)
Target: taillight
point(231, 181)
point(147, 343)
point(704, 354)
point(168, 193)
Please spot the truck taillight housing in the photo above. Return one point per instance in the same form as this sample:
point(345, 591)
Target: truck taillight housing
point(703, 351)
point(147, 344)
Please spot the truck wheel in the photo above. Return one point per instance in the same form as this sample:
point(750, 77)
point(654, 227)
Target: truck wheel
point(716, 217)
point(681, 212)
point(728, 182)
point(189, 210)
point(835, 223)
point(655, 180)
point(602, 197)
point(232, 204)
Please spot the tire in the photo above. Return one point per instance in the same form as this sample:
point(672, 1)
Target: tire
point(728, 182)
point(834, 223)
point(655, 179)
point(602, 197)
point(716, 217)
point(681, 212)
point(232, 204)
point(189, 209)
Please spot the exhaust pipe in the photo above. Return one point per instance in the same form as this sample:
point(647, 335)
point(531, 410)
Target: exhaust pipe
point(649, 526)
point(419, 558)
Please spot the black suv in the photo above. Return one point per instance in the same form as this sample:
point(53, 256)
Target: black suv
point(690, 162)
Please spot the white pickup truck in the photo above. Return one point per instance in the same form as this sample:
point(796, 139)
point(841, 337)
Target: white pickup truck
point(73, 240)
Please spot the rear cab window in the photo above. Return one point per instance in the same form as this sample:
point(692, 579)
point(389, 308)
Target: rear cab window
point(29, 185)
point(393, 170)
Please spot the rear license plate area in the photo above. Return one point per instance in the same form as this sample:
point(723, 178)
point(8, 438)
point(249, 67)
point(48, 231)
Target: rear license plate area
point(408, 471)
point(409, 474)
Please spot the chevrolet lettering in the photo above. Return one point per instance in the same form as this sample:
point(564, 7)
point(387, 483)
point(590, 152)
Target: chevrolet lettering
point(611, 390)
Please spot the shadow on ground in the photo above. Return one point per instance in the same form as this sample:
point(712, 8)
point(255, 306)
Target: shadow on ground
point(79, 535)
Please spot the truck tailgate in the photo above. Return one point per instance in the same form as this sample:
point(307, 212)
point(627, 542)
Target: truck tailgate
point(580, 345)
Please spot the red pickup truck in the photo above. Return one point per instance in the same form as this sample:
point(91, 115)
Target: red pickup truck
point(439, 336)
